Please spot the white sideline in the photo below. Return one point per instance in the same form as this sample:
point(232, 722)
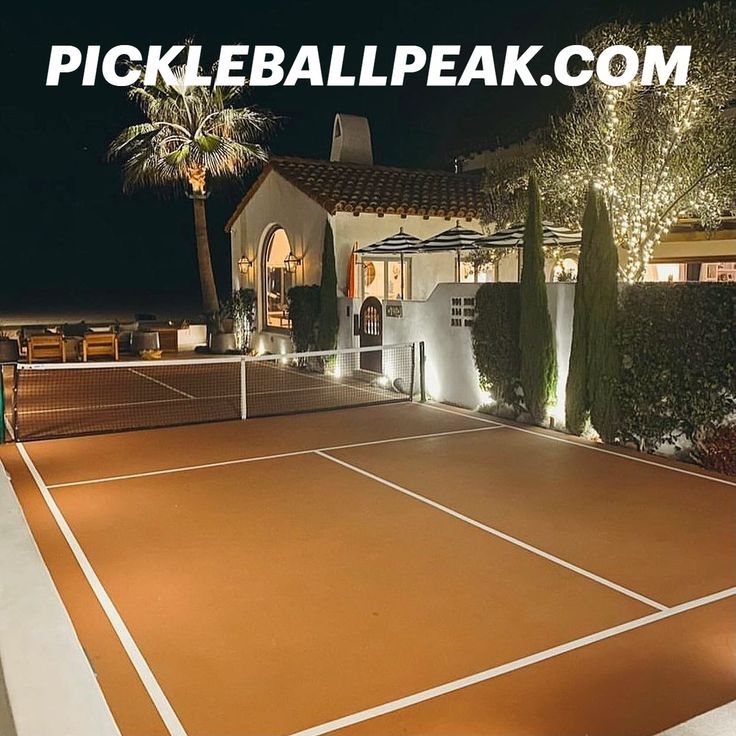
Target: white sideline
point(517, 664)
point(497, 533)
point(275, 456)
point(50, 684)
point(595, 448)
point(168, 716)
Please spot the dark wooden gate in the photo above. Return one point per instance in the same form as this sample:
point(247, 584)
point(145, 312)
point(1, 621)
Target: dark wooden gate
point(371, 334)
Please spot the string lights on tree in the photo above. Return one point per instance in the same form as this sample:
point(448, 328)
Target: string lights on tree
point(658, 153)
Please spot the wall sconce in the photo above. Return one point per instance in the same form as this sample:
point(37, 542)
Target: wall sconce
point(244, 265)
point(291, 262)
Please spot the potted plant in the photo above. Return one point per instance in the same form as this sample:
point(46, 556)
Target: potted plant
point(222, 341)
point(8, 348)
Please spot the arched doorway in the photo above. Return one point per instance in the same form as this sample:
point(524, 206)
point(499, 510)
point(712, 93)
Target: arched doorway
point(276, 280)
point(371, 334)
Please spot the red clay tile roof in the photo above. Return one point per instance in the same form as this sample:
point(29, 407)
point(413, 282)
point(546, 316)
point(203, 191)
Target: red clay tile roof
point(357, 188)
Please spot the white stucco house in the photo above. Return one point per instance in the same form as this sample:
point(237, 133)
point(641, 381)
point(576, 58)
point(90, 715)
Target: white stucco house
point(285, 212)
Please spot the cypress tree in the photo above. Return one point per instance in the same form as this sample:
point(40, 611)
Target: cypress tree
point(536, 339)
point(603, 359)
point(577, 401)
point(328, 318)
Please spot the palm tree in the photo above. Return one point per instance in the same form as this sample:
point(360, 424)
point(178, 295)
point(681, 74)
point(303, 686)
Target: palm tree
point(192, 135)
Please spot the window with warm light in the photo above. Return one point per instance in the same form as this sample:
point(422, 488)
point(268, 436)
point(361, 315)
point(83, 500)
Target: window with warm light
point(382, 278)
point(278, 280)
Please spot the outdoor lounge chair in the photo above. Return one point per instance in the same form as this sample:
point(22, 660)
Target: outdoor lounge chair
point(100, 345)
point(46, 347)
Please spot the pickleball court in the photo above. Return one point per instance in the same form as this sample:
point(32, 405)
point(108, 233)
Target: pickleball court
point(400, 568)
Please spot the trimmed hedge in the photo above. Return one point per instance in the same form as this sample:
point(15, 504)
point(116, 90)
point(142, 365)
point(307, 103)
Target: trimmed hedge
point(496, 341)
point(304, 307)
point(678, 361)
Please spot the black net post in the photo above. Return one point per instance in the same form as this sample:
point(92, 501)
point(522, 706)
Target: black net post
point(422, 384)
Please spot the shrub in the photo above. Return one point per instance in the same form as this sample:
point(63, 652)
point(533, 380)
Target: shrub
point(603, 359)
point(304, 306)
point(496, 341)
point(537, 342)
point(577, 401)
point(241, 309)
point(328, 318)
point(717, 450)
point(678, 361)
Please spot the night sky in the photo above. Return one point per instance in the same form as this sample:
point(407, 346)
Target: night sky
point(72, 238)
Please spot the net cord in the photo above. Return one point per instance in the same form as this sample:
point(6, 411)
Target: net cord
point(206, 361)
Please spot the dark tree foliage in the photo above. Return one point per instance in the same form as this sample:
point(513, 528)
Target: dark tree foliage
point(536, 338)
point(328, 317)
point(304, 309)
point(496, 341)
point(603, 357)
point(577, 401)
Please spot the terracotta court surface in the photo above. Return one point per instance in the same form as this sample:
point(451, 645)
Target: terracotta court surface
point(400, 569)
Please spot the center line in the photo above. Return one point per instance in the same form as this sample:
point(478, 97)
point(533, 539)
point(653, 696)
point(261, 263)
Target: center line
point(161, 383)
point(498, 533)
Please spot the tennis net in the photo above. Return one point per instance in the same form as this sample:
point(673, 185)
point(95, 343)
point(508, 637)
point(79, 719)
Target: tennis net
point(70, 399)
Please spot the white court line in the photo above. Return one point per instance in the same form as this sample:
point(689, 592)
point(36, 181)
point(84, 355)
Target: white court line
point(585, 446)
point(497, 533)
point(275, 456)
point(503, 669)
point(168, 716)
point(161, 383)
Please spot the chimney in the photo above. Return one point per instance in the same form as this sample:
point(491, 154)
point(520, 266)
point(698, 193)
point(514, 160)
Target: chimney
point(351, 140)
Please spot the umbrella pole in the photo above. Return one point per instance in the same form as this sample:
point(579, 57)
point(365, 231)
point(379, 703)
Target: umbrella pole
point(519, 253)
point(457, 268)
point(401, 296)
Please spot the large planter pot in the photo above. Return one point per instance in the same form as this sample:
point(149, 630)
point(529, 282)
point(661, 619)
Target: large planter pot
point(222, 343)
point(8, 350)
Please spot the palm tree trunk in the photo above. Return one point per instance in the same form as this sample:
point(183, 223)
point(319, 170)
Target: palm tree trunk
point(210, 302)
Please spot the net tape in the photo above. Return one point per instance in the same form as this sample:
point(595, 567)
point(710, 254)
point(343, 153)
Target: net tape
point(64, 400)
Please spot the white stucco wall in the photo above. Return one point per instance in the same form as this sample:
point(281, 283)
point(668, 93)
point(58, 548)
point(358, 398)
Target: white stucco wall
point(427, 270)
point(450, 367)
point(276, 203)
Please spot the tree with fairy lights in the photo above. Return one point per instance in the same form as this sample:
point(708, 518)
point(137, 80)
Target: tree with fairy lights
point(657, 152)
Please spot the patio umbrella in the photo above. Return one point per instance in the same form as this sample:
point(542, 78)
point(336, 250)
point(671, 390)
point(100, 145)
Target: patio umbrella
point(399, 243)
point(456, 238)
point(350, 287)
point(513, 237)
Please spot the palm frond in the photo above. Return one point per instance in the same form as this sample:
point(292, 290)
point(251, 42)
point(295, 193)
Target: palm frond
point(189, 129)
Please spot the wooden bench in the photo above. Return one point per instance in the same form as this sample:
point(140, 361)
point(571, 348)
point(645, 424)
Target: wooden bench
point(46, 347)
point(100, 345)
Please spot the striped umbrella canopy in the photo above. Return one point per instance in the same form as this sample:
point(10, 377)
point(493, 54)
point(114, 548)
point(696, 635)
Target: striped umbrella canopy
point(513, 237)
point(456, 238)
point(401, 242)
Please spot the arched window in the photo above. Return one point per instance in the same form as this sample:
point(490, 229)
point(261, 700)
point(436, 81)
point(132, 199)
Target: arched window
point(277, 280)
